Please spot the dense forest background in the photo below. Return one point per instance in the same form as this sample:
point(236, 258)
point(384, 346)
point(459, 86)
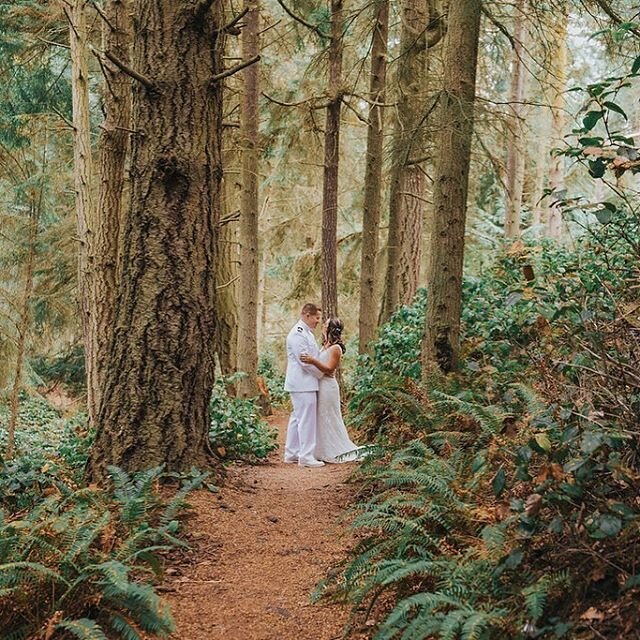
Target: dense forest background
point(458, 181)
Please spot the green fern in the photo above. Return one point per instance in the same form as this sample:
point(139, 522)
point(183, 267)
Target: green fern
point(84, 629)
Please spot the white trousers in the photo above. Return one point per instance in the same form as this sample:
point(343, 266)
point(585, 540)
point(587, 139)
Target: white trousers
point(301, 432)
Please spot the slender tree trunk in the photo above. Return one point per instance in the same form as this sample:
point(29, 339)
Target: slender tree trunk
point(559, 82)
point(248, 290)
point(538, 217)
point(114, 142)
point(226, 334)
point(331, 160)
point(160, 365)
point(23, 325)
point(83, 171)
point(441, 343)
point(516, 152)
point(373, 179)
point(410, 236)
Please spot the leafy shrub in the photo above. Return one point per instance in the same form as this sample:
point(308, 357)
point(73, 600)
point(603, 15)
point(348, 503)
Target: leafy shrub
point(273, 379)
point(238, 431)
point(506, 504)
point(86, 558)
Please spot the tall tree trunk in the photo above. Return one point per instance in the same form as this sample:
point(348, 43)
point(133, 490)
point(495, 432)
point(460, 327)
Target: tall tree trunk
point(516, 152)
point(75, 11)
point(114, 142)
point(408, 139)
point(331, 160)
point(160, 365)
point(248, 290)
point(559, 82)
point(373, 179)
point(410, 235)
point(226, 333)
point(441, 342)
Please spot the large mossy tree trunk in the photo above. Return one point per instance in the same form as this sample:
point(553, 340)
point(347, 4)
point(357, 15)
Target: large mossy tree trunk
point(248, 289)
point(160, 365)
point(373, 179)
point(421, 30)
point(331, 164)
point(114, 144)
point(441, 342)
point(410, 80)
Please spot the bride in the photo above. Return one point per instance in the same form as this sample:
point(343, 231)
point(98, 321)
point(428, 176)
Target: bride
point(332, 440)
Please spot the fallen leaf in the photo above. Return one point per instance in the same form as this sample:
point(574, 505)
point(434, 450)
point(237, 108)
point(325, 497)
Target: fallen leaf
point(592, 614)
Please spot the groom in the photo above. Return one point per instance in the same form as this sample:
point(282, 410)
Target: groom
point(302, 384)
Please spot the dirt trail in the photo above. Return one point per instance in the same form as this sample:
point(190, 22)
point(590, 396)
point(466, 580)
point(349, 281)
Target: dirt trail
point(258, 549)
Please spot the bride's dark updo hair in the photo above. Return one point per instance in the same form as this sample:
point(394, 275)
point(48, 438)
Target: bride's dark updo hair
point(334, 333)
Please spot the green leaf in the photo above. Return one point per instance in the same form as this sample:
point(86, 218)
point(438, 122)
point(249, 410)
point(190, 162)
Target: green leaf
point(498, 482)
point(612, 106)
point(610, 525)
point(591, 119)
point(597, 168)
point(595, 141)
point(632, 581)
point(542, 440)
point(604, 216)
point(635, 67)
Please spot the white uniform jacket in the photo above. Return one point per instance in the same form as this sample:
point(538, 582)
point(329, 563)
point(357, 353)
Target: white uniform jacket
point(301, 376)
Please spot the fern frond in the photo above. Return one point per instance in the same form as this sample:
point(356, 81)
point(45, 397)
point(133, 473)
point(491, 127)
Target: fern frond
point(83, 628)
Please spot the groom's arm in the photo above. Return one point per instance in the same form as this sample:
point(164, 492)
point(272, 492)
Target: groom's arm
point(299, 345)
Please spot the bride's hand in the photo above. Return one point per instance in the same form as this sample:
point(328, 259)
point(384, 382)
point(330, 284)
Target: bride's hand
point(305, 357)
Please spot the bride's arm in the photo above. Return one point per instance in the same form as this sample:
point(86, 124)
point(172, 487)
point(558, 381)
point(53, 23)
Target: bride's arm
point(328, 367)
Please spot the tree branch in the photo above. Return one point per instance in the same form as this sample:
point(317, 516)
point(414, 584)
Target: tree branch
point(232, 70)
point(103, 15)
point(313, 27)
point(608, 9)
point(149, 84)
point(323, 105)
point(230, 27)
point(498, 25)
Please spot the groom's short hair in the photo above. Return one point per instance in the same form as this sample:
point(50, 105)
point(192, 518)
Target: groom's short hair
point(310, 309)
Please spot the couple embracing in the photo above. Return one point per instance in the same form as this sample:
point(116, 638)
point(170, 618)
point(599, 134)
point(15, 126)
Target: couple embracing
point(316, 433)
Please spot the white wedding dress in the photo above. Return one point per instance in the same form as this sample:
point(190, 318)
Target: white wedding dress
point(332, 439)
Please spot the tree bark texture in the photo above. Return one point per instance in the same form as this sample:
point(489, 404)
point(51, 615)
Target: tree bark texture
point(408, 137)
point(114, 143)
point(441, 342)
point(410, 235)
point(559, 82)
point(76, 11)
point(227, 276)
point(373, 179)
point(516, 151)
point(160, 364)
point(331, 162)
point(248, 289)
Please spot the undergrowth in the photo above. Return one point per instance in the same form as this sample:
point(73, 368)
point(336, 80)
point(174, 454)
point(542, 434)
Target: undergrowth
point(80, 562)
point(504, 503)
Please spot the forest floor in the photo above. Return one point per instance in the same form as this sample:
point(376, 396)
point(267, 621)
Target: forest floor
point(257, 550)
